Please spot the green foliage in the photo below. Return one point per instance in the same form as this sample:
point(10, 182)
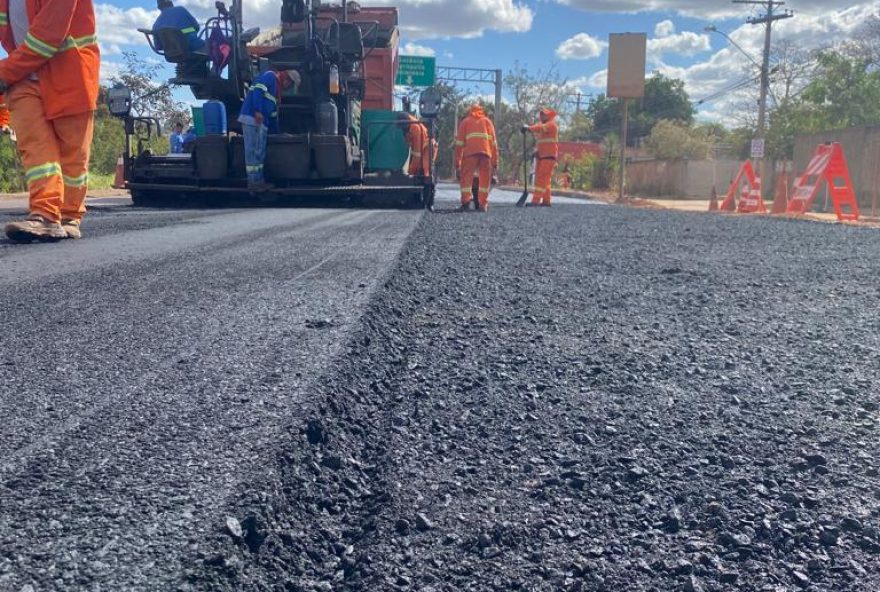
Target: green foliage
point(607, 171)
point(673, 140)
point(148, 98)
point(108, 143)
point(844, 92)
point(11, 177)
point(665, 98)
point(579, 129)
point(582, 170)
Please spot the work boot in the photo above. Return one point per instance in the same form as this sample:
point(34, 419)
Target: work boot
point(71, 227)
point(35, 228)
point(484, 209)
point(465, 206)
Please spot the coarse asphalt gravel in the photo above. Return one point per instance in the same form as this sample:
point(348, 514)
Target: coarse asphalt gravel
point(575, 398)
point(597, 399)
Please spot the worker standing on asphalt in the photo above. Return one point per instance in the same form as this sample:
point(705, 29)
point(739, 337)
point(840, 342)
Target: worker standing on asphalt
point(51, 73)
point(259, 118)
point(476, 151)
point(417, 139)
point(547, 136)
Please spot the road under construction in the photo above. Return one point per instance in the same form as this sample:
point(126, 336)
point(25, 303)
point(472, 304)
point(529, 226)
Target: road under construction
point(586, 397)
point(243, 382)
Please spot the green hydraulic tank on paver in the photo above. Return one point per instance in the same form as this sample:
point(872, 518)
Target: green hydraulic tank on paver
point(198, 121)
point(383, 141)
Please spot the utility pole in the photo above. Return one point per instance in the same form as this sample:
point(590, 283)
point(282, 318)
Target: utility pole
point(767, 19)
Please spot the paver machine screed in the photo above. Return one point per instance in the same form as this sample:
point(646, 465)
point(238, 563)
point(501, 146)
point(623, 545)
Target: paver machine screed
point(339, 141)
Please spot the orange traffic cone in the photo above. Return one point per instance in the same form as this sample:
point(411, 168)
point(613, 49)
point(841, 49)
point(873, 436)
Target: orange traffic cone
point(780, 201)
point(119, 179)
point(713, 202)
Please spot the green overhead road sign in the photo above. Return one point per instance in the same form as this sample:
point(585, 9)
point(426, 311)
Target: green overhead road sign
point(417, 71)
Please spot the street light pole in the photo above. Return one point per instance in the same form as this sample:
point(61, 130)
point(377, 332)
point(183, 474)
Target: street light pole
point(767, 20)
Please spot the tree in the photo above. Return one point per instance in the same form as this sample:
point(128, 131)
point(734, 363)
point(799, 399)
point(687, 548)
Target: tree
point(844, 92)
point(673, 140)
point(579, 128)
point(148, 98)
point(665, 98)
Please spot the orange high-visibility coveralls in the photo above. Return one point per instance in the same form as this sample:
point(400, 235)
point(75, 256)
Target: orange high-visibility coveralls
point(476, 150)
point(53, 91)
point(547, 137)
point(417, 138)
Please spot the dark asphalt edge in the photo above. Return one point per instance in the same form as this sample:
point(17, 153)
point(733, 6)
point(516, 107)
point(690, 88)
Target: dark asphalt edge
point(331, 464)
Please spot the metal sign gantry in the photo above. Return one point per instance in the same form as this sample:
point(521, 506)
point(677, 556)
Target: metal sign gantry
point(475, 75)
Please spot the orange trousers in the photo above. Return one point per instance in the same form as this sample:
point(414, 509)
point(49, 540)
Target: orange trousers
point(54, 153)
point(543, 181)
point(418, 165)
point(479, 163)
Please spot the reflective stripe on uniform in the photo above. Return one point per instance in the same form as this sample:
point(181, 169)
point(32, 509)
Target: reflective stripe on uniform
point(188, 30)
point(49, 169)
point(4, 19)
point(548, 141)
point(40, 48)
point(261, 87)
point(80, 181)
point(78, 42)
point(484, 189)
point(459, 142)
point(478, 135)
point(254, 168)
point(414, 153)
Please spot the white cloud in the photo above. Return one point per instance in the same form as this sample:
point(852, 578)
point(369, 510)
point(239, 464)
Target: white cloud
point(414, 49)
point(118, 26)
point(728, 66)
point(664, 29)
point(419, 19)
point(714, 9)
point(685, 43)
point(581, 47)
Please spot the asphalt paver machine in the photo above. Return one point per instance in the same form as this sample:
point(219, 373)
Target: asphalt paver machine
point(334, 144)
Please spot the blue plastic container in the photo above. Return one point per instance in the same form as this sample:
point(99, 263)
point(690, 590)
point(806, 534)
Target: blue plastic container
point(214, 113)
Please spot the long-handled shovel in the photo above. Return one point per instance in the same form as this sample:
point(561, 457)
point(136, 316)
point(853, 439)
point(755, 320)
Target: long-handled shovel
point(525, 195)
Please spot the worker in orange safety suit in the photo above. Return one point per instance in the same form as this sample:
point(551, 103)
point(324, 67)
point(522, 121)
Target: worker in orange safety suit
point(546, 134)
point(476, 151)
point(417, 139)
point(51, 82)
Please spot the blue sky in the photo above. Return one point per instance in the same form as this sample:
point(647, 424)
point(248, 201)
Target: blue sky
point(568, 33)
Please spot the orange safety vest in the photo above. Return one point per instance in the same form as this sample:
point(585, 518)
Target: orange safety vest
point(476, 136)
point(61, 48)
point(547, 137)
point(417, 138)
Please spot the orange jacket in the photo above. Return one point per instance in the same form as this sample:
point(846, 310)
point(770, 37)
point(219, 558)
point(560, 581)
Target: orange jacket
point(476, 135)
point(61, 48)
point(417, 138)
point(547, 137)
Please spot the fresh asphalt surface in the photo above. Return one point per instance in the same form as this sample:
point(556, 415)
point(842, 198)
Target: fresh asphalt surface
point(146, 371)
point(314, 400)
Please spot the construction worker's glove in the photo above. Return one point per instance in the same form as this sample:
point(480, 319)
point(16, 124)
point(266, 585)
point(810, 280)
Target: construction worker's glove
point(3, 86)
point(524, 129)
